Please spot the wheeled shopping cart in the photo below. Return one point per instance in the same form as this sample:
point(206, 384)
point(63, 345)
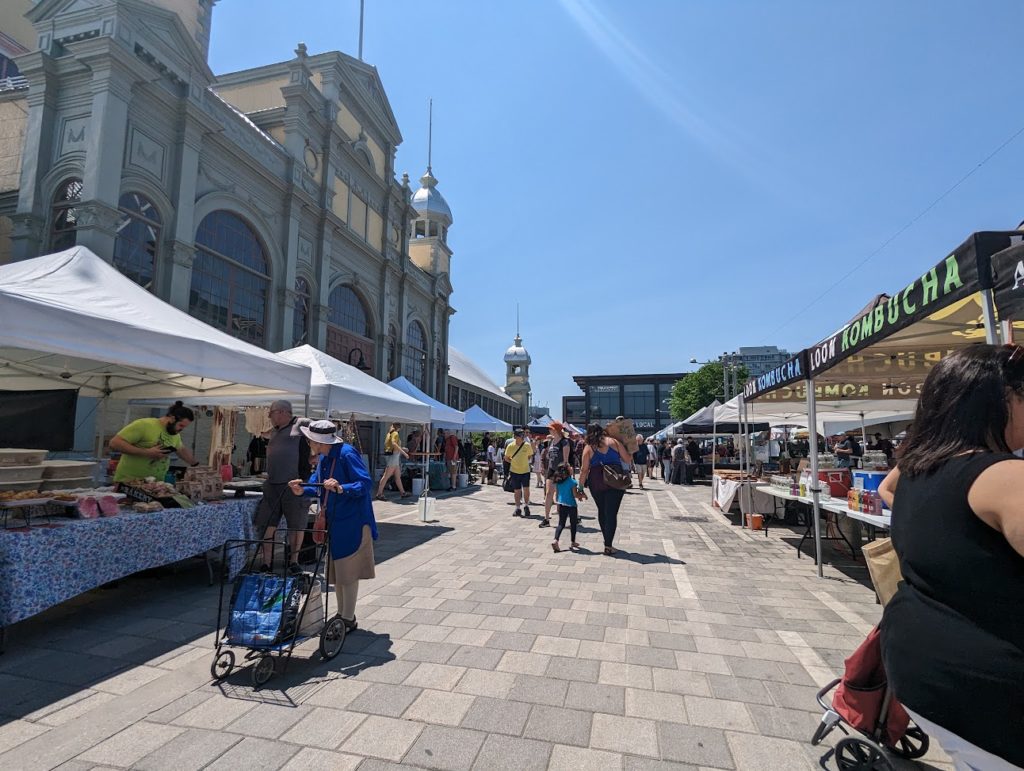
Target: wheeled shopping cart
point(269, 613)
point(864, 704)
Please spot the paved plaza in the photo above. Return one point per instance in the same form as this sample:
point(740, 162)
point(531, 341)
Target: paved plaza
point(699, 646)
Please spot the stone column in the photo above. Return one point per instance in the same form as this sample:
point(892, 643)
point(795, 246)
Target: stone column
point(180, 249)
point(29, 237)
point(112, 80)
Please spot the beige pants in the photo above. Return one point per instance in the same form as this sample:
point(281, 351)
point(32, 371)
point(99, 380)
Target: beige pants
point(347, 595)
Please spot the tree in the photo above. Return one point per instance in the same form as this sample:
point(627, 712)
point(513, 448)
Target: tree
point(699, 389)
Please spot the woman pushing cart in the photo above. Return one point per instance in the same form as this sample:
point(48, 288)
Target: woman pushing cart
point(344, 487)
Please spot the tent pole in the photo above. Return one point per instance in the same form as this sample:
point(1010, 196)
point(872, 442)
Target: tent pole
point(988, 313)
point(812, 420)
point(863, 432)
point(101, 422)
point(714, 453)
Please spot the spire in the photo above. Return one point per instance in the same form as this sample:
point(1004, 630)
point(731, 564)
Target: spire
point(430, 136)
point(517, 321)
point(362, 8)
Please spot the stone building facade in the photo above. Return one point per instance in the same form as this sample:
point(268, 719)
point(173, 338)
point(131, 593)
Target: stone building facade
point(263, 202)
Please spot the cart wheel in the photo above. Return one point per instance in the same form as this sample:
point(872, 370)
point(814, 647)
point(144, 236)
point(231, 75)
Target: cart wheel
point(853, 754)
point(222, 665)
point(263, 670)
point(332, 637)
point(913, 744)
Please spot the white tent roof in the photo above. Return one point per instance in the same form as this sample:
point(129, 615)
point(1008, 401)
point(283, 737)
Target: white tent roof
point(336, 387)
point(461, 367)
point(441, 415)
point(72, 320)
point(478, 420)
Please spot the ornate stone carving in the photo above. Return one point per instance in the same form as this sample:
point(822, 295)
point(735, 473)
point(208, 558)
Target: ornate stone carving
point(73, 134)
point(305, 250)
point(183, 254)
point(215, 180)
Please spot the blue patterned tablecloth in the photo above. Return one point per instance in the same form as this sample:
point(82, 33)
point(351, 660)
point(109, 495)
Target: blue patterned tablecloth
point(46, 566)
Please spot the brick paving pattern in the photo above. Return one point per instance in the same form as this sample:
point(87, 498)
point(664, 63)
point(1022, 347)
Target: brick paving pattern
point(699, 646)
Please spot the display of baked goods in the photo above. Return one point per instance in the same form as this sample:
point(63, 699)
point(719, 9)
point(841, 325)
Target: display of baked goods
point(18, 495)
point(156, 489)
point(146, 508)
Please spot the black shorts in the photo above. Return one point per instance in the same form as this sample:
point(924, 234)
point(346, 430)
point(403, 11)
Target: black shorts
point(520, 481)
point(279, 501)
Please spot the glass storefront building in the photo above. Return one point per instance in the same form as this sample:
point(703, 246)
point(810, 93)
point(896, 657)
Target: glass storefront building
point(644, 398)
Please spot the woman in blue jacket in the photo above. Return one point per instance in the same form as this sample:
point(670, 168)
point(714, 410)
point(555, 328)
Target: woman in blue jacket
point(344, 488)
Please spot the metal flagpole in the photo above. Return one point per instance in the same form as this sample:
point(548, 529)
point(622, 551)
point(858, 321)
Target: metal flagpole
point(812, 419)
point(362, 8)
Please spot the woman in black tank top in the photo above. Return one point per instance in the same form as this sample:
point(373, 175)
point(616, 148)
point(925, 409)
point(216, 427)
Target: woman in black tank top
point(953, 636)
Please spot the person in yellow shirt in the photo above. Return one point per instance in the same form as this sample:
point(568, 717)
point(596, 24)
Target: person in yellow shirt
point(518, 455)
point(394, 451)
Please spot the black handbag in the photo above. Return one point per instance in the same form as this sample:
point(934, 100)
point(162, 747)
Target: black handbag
point(616, 477)
point(507, 484)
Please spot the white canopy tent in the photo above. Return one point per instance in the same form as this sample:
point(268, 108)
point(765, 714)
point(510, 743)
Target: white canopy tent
point(71, 320)
point(478, 420)
point(832, 416)
point(441, 415)
point(339, 388)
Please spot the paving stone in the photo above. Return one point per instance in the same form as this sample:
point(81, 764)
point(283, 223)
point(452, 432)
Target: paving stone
point(384, 699)
point(462, 636)
point(582, 670)
point(634, 763)
point(566, 758)
point(382, 737)
point(193, 748)
point(596, 698)
point(214, 713)
point(681, 681)
point(583, 632)
point(602, 651)
point(718, 713)
point(762, 753)
point(483, 683)
point(702, 662)
point(310, 759)
point(794, 696)
point(130, 745)
point(634, 736)
point(337, 693)
point(524, 663)
point(447, 749)
point(324, 728)
point(16, 732)
point(434, 653)
point(693, 744)
point(392, 672)
point(439, 707)
point(496, 716)
point(554, 724)
point(651, 657)
point(539, 690)
point(268, 720)
point(441, 677)
point(655, 705)
point(631, 675)
point(475, 657)
point(784, 723)
point(256, 754)
point(505, 753)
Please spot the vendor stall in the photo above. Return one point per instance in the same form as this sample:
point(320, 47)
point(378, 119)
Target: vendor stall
point(884, 353)
point(479, 421)
point(45, 565)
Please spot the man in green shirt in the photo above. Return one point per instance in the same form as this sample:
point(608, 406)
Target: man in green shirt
point(146, 444)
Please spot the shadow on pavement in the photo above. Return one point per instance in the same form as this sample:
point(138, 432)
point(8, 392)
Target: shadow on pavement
point(396, 538)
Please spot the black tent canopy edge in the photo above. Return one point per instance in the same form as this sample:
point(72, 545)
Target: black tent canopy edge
point(967, 270)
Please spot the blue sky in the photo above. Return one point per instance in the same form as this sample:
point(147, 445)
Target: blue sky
point(665, 179)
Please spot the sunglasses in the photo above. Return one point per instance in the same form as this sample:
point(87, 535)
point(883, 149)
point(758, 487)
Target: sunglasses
point(1016, 353)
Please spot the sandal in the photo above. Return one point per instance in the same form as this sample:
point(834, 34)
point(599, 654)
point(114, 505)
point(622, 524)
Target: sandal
point(381, 498)
point(554, 547)
point(406, 495)
point(574, 545)
point(609, 551)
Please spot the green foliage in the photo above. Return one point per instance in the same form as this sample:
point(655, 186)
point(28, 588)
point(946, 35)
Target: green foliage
point(699, 389)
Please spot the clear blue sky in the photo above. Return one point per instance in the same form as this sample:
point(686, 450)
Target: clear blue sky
point(665, 179)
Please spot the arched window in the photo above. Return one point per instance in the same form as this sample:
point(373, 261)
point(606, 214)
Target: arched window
point(349, 335)
point(347, 311)
point(138, 237)
point(300, 318)
point(64, 234)
point(414, 357)
point(230, 277)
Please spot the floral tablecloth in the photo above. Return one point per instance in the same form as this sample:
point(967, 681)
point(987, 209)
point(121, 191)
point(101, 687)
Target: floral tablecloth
point(42, 567)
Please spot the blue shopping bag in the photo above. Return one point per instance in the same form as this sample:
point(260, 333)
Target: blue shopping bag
point(263, 609)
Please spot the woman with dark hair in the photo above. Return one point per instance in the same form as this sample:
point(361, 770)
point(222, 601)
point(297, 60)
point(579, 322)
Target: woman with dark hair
point(953, 635)
point(603, 450)
point(147, 443)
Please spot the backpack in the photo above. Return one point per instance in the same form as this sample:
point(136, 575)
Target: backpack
point(679, 452)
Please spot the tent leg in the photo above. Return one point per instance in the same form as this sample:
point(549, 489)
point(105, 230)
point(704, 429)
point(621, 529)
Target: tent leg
point(714, 454)
point(100, 423)
point(812, 420)
point(863, 432)
point(988, 314)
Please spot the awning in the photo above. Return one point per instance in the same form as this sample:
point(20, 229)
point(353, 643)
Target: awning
point(478, 420)
point(71, 320)
point(441, 415)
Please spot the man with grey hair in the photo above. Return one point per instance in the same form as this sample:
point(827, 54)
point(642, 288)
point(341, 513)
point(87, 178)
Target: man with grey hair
point(288, 457)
